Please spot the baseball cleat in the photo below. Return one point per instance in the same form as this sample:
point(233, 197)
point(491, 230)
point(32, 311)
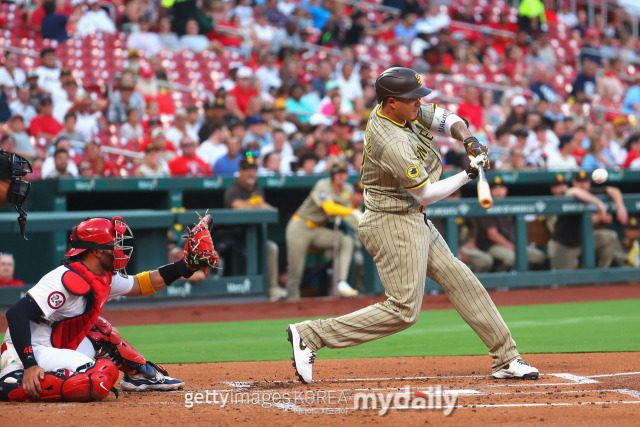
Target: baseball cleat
point(303, 356)
point(345, 289)
point(159, 380)
point(517, 369)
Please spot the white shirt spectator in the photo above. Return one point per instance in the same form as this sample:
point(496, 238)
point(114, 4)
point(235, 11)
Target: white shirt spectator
point(194, 43)
point(350, 89)
point(87, 123)
point(25, 110)
point(49, 79)
point(557, 161)
point(49, 166)
point(210, 152)
point(568, 19)
point(146, 42)
point(175, 135)
point(95, 22)
point(193, 129)
point(130, 133)
point(269, 77)
point(264, 33)
point(9, 81)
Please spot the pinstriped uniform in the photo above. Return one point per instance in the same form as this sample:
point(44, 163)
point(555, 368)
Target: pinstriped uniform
point(406, 247)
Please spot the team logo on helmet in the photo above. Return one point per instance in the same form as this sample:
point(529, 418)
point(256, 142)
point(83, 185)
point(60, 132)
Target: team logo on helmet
point(419, 79)
point(413, 171)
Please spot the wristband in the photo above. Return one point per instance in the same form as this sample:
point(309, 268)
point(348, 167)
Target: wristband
point(172, 272)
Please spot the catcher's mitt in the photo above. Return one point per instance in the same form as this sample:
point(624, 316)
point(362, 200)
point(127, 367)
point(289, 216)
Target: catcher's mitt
point(199, 252)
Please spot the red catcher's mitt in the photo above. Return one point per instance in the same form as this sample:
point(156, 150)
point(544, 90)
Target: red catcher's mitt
point(199, 252)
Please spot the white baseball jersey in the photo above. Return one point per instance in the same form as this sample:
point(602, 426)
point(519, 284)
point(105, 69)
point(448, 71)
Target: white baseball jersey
point(57, 303)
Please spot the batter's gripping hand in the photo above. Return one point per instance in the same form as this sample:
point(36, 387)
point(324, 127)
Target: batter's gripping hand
point(199, 252)
point(476, 149)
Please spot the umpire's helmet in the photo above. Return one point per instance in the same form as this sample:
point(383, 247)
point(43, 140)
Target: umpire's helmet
point(400, 82)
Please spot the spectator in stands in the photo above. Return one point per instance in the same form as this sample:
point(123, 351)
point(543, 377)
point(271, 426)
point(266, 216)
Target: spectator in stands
point(213, 116)
point(518, 115)
point(492, 114)
point(85, 169)
point(280, 145)
point(243, 91)
point(618, 151)
point(54, 25)
point(179, 128)
point(590, 47)
point(405, 31)
point(298, 110)
point(280, 118)
point(44, 125)
point(584, 86)
point(144, 39)
point(211, 149)
point(121, 100)
point(196, 42)
point(349, 81)
point(229, 163)
point(159, 141)
point(7, 269)
point(531, 16)
point(48, 72)
point(153, 165)
point(631, 102)
point(598, 155)
point(261, 31)
point(319, 84)
point(193, 122)
point(65, 100)
point(89, 114)
point(258, 132)
point(565, 245)
point(500, 149)
point(132, 129)
point(496, 235)
point(306, 164)
point(69, 129)
point(94, 20)
point(563, 158)
point(433, 20)
point(49, 164)
point(188, 164)
point(633, 149)
point(21, 105)
point(17, 130)
point(11, 76)
point(271, 164)
point(565, 16)
point(61, 163)
point(471, 109)
point(99, 164)
point(168, 38)
point(269, 73)
point(286, 40)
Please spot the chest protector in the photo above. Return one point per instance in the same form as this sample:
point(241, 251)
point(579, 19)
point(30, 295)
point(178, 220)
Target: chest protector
point(79, 280)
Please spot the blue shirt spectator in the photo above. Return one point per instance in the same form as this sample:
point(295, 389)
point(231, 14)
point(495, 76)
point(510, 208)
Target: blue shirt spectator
point(319, 14)
point(631, 102)
point(226, 166)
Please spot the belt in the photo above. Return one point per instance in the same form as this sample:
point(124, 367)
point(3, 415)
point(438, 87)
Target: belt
point(309, 224)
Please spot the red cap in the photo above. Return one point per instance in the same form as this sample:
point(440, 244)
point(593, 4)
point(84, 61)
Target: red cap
point(146, 71)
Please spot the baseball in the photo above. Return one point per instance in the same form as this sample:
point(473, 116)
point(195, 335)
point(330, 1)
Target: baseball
point(599, 176)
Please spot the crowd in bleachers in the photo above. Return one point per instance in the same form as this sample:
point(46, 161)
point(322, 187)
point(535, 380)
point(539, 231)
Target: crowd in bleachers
point(184, 88)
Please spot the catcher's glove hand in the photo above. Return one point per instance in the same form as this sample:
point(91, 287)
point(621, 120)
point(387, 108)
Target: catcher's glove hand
point(199, 252)
point(476, 149)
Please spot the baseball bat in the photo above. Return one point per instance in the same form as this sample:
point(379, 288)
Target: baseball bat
point(484, 193)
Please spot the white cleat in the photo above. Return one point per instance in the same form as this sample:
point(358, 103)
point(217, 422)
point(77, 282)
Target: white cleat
point(345, 289)
point(303, 356)
point(517, 369)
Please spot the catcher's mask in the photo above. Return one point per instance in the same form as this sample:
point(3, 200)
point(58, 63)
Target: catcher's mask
point(103, 233)
point(15, 167)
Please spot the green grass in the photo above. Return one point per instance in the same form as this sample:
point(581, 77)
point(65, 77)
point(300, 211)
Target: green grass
point(553, 328)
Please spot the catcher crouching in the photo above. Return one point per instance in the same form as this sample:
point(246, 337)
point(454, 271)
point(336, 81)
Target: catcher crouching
point(58, 348)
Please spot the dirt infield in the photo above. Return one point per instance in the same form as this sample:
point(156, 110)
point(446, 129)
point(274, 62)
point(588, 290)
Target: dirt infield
point(583, 389)
point(576, 389)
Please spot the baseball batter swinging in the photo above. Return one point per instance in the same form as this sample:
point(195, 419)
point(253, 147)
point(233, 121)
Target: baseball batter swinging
point(401, 172)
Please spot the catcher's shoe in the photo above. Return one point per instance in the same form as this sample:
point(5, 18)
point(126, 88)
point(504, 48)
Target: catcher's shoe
point(155, 378)
point(345, 289)
point(303, 356)
point(517, 369)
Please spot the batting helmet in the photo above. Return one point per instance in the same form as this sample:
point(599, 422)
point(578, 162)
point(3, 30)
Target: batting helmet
point(400, 82)
point(103, 233)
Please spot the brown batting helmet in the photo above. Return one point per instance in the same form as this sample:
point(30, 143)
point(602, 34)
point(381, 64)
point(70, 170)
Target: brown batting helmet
point(400, 82)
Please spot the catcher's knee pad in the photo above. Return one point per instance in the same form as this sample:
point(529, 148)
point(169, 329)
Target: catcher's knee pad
point(65, 386)
point(107, 340)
